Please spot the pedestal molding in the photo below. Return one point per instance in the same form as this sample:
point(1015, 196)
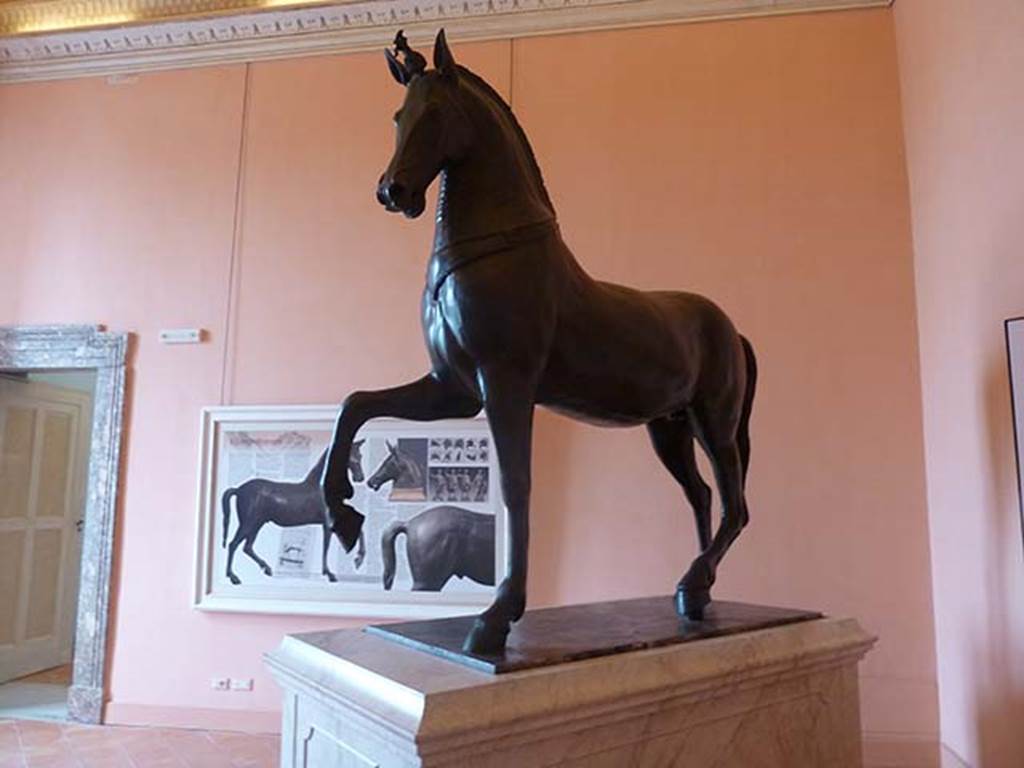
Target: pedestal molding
point(368, 718)
point(601, 713)
point(455, 715)
point(237, 33)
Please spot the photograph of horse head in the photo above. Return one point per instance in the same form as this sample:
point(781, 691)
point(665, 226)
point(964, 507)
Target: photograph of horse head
point(405, 467)
point(260, 501)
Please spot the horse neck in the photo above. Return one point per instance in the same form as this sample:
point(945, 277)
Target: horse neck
point(317, 471)
point(496, 187)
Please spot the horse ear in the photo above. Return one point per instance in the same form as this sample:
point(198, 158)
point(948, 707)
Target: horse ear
point(391, 447)
point(444, 62)
point(358, 443)
point(397, 70)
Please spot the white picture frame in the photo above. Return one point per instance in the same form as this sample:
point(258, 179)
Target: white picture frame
point(279, 444)
point(1015, 363)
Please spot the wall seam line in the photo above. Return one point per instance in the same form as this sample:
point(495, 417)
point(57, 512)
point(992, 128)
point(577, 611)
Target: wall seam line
point(511, 73)
point(236, 238)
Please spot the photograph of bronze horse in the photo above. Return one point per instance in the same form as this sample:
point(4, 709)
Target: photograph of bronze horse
point(512, 320)
point(405, 470)
point(259, 501)
point(442, 542)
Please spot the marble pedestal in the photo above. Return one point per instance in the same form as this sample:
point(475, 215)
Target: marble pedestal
point(784, 696)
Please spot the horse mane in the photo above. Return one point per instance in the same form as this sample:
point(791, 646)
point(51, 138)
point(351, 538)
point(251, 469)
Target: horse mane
point(317, 470)
point(496, 97)
point(414, 469)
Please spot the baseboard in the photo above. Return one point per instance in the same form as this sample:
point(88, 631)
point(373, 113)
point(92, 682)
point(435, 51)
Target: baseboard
point(901, 750)
point(248, 721)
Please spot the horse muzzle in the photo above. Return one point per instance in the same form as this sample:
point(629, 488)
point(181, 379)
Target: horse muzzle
point(397, 198)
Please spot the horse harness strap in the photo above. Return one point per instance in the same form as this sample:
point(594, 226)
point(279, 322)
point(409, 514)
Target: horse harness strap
point(453, 257)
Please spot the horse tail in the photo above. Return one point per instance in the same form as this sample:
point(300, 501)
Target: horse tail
point(387, 550)
point(743, 437)
point(226, 506)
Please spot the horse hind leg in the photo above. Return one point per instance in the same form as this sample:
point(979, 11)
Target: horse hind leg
point(743, 433)
point(673, 441)
point(238, 537)
point(247, 548)
point(718, 436)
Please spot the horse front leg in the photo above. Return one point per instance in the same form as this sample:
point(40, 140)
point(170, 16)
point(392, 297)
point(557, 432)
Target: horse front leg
point(509, 407)
point(361, 552)
point(427, 399)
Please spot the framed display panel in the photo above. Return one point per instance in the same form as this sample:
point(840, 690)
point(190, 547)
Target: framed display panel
point(434, 539)
point(1015, 359)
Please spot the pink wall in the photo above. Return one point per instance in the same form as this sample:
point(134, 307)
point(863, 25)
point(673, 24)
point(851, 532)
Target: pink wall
point(961, 69)
point(759, 162)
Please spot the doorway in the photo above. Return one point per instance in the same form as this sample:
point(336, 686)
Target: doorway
point(61, 404)
point(45, 430)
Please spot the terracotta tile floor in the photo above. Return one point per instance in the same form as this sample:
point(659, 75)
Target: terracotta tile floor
point(38, 744)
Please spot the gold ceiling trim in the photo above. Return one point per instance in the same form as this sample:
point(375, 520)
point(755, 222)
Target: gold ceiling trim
point(24, 17)
point(53, 39)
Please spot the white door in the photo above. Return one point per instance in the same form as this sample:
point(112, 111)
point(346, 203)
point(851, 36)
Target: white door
point(44, 435)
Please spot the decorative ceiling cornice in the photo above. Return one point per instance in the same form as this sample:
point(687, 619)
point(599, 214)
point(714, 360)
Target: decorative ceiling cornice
point(49, 39)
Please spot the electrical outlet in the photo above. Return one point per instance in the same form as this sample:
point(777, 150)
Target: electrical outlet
point(245, 684)
point(220, 683)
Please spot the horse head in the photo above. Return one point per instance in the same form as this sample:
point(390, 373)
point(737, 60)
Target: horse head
point(389, 470)
point(397, 468)
point(432, 129)
point(355, 461)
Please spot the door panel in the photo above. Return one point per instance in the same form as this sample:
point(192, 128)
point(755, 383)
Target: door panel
point(16, 452)
point(12, 548)
point(42, 619)
point(43, 466)
point(54, 465)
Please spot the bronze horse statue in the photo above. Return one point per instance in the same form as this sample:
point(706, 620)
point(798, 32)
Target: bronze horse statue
point(442, 542)
point(512, 320)
point(259, 501)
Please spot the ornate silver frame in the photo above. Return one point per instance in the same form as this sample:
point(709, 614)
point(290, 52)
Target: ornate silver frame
point(64, 347)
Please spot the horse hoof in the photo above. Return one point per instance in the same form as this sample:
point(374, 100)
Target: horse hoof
point(485, 639)
point(692, 604)
point(268, 571)
point(234, 579)
point(331, 577)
